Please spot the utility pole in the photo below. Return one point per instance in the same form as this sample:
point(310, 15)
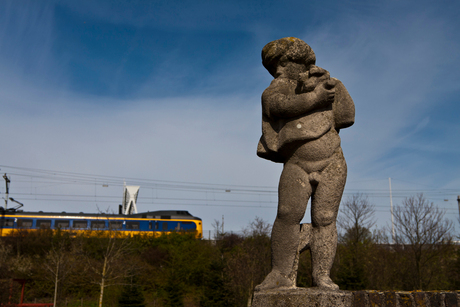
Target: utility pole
point(458, 200)
point(392, 216)
point(7, 182)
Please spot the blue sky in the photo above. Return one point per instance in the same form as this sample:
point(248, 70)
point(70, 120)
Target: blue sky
point(166, 95)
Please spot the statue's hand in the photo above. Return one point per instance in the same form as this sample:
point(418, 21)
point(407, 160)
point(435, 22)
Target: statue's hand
point(330, 83)
point(314, 78)
point(326, 92)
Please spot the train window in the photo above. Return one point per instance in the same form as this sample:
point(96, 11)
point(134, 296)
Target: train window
point(132, 225)
point(115, 225)
point(6, 223)
point(157, 225)
point(61, 223)
point(44, 224)
point(178, 226)
point(97, 224)
point(25, 223)
point(188, 225)
point(165, 225)
point(80, 224)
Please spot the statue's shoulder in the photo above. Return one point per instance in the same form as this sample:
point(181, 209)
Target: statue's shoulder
point(281, 86)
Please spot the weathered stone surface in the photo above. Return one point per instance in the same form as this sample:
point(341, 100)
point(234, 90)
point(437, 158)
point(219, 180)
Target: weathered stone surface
point(436, 299)
point(302, 297)
point(376, 299)
point(420, 299)
point(451, 299)
point(367, 298)
point(390, 299)
point(360, 299)
point(303, 111)
point(405, 299)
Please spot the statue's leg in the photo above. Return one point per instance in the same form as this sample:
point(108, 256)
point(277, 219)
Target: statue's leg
point(293, 193)
point(325, 207)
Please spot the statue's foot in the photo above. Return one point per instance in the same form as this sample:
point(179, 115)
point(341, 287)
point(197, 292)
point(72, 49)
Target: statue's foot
point(325, 282)
point(275, 280)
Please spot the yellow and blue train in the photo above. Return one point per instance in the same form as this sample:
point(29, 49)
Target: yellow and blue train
point(148, 223)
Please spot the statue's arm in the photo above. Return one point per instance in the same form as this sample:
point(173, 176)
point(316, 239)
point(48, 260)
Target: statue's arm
point(280, 100)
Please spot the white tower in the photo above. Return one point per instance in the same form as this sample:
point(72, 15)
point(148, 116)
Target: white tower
point(129, 199)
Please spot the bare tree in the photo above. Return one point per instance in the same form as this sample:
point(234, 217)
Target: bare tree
point(357, 217)
point(107, 259)
point(218, 229)
point(355, 221)
point(249, 263)
point(258, 227)
point(58, 262)
point(422, 230)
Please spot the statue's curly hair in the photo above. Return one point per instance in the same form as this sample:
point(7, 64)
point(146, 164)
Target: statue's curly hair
point(286, 49)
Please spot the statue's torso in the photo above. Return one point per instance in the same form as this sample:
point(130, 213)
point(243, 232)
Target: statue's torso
point(308, 138)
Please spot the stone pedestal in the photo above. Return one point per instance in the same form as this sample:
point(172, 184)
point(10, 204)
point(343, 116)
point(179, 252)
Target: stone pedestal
point(302, 297)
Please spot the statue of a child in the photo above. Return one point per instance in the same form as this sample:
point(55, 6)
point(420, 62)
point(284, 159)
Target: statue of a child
point(303, 110)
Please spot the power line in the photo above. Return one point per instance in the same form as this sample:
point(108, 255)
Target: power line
point(51, 178)
point(90, 178)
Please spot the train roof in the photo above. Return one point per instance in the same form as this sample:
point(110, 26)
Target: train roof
point(161, 214)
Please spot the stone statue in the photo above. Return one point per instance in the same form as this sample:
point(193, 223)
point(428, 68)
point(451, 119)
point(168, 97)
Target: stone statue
point(303, 111)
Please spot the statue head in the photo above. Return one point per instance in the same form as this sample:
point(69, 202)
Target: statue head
point(288, 49)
